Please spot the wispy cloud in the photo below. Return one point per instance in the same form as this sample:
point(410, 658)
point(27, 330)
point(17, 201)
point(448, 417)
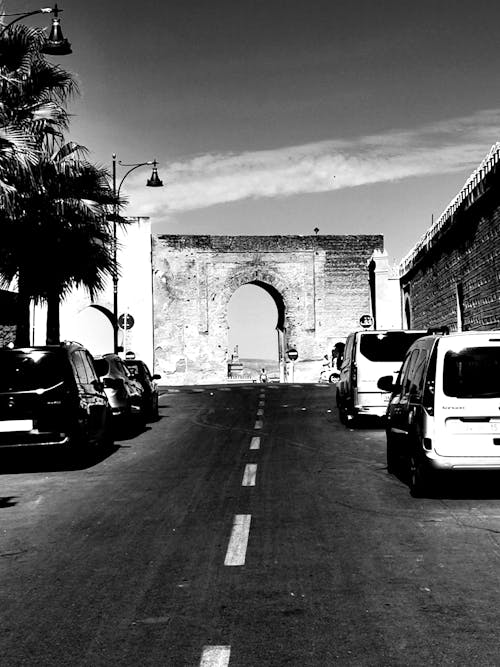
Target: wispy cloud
point(444, 147)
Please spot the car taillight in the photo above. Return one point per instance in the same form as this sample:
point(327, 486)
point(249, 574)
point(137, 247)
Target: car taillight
point(113, 383)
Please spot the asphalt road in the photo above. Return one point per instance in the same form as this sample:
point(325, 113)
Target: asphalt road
point(245, 531)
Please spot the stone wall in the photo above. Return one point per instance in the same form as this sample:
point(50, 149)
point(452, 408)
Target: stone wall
point(8, 311)
point(320, 283)
point(455, 279)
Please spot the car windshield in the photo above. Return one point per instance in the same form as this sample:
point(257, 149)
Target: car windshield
point(472, 373)
point(389, 346)
point(28, 371)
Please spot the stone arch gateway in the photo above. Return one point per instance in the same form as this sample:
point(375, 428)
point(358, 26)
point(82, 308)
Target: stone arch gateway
point(319, 283)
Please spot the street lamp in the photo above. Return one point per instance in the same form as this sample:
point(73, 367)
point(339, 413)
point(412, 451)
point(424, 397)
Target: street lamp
point(153, 182)
point(55, 44)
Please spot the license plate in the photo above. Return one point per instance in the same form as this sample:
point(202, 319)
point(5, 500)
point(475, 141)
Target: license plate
point(478, 428)
point(386, 398)
point(11, 425)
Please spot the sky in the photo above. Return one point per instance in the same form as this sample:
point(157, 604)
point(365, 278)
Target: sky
point(279, 116)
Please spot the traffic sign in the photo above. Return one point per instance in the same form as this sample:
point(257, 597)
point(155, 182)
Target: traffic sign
point(126, 321)
point(293, 355)
point(366, 321)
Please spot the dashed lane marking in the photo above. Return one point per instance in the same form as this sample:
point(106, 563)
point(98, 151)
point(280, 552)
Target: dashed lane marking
point(260, 412)
point(215, 656)
point(250, 474)
point(261, 404)
point(255, 442)
point(258, 424)
point(237, 548)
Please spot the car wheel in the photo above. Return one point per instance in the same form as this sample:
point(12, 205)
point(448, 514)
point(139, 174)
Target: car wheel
point(392, 457)
point(108, 439)
point(419, 476)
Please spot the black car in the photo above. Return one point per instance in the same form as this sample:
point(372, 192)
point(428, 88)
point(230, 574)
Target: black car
point(51, 395)
point(139, 371)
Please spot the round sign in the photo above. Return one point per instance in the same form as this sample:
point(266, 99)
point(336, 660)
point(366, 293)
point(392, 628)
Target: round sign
point(293, 355)
point(366, 321)
point(126, 321)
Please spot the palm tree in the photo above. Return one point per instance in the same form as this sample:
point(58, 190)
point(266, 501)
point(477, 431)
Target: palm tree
point(33, 94)
point(62, 238)
point(54, 233)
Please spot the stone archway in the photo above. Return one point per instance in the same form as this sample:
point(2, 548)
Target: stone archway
point(320, 283)
point(91, 326)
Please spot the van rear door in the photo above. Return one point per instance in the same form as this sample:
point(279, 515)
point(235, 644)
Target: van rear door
point(467, 416)
point(379, 353)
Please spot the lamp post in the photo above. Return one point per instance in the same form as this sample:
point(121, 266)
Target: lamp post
point(153, 182)
point(55, 44)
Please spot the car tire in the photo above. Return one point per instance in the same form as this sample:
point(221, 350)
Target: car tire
point(419, 478)
point(392, 457)
point(108, 437)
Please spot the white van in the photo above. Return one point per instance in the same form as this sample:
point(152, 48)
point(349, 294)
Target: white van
point(367, 356)
point(444, 411)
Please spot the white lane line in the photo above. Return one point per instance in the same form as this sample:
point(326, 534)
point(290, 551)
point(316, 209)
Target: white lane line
point(249, 475)
point(255, 442)
point(215, 656)
point(261, 404)
point(237, 548)
point(260, 412)
point(258, 424)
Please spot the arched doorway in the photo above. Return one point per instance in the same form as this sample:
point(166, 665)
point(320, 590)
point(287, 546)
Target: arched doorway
point(255, 317)
point(92, 327)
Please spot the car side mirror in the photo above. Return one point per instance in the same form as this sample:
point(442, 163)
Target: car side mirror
point(386, 383)
point(156, 376)
point(98, 385)
point(101, 367)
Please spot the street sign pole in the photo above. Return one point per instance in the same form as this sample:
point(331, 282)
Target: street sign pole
point(293, 355)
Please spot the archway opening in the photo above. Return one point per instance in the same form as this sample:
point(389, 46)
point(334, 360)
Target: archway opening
point(93, 327)
point(255, 320)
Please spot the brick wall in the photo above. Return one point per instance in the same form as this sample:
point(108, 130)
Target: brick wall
point(462, 264)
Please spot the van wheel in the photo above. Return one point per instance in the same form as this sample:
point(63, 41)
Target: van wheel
point(419, 477)
point(392, 457)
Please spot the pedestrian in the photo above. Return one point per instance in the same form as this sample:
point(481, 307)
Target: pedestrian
point(263, 375)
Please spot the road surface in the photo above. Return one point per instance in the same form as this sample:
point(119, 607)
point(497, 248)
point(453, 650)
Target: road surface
point(246, 527)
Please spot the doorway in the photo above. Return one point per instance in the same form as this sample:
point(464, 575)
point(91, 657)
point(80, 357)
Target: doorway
point(255, 332)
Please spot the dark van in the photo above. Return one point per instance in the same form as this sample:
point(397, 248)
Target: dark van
point(51, 396)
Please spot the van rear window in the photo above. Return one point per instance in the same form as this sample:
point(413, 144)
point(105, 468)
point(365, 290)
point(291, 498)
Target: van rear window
point(390, 346)
point(28, 371)
point(472, 373)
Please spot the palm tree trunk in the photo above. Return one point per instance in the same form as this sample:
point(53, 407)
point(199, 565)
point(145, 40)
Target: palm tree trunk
point(53, 324)
point(23, 312)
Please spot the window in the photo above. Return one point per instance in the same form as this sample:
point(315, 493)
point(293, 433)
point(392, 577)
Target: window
point(472, 373)
point(28, 371)
point(79, 366)
point(390, 346)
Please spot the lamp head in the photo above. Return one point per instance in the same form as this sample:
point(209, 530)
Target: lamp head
point(154, 181)
point(56, 44)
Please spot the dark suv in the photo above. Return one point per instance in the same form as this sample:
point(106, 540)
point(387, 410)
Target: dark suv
point(52, 396)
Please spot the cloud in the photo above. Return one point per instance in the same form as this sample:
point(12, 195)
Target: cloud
point(205, 180)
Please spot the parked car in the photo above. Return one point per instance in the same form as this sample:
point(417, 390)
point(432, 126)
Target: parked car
point(140, 372)
point(51, 395)
point(444, 410)
point(125, 394)
point(367, 356)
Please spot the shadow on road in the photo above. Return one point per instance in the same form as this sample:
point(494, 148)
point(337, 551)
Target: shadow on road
point(462, 485)
point(28, 459)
